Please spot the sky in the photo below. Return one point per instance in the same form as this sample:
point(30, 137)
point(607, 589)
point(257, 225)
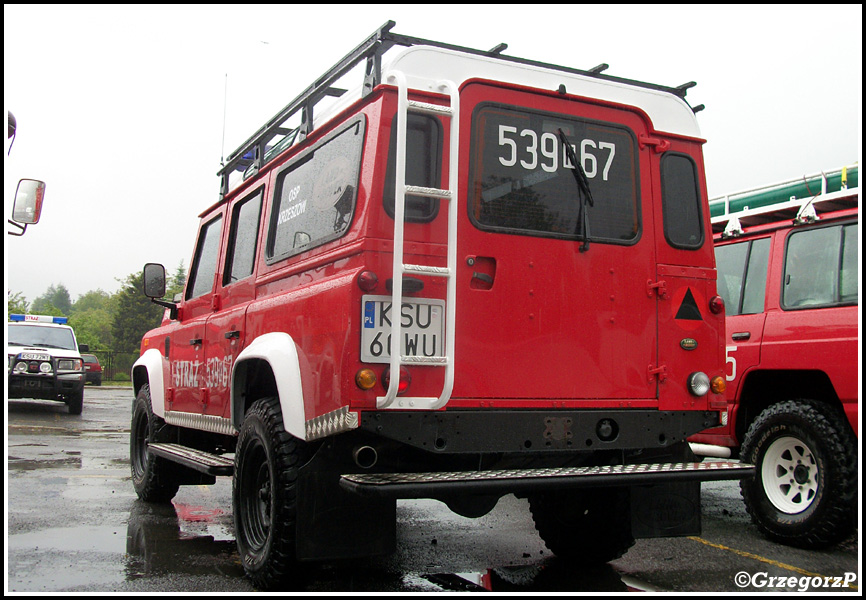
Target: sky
point(126, 111)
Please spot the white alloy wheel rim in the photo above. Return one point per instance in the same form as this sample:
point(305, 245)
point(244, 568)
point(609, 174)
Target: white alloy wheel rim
point(790, 475)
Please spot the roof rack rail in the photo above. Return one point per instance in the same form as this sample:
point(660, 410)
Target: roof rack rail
point(255, 152)
point(796, 199)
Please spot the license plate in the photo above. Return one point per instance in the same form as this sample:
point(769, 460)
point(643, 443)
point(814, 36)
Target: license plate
point(422, 321)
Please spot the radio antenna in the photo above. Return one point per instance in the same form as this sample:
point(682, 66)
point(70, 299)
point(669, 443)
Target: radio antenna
point(225, 96)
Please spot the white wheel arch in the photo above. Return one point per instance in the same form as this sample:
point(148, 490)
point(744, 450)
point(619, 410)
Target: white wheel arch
point(280, 352)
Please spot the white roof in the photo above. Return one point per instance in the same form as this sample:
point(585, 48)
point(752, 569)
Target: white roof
point(425, 65)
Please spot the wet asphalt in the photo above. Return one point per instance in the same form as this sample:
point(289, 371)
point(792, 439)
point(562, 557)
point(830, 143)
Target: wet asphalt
point(74, 524)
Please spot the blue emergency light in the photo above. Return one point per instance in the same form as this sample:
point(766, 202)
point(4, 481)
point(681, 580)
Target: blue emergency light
point(39, 319)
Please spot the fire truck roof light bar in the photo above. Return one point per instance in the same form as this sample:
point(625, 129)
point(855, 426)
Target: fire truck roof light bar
point(371, 50)
point(39, 319)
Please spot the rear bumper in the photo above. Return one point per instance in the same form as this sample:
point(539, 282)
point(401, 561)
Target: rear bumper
point(527, 432)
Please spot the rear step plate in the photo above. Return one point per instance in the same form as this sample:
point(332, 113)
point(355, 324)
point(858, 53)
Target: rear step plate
point(428, 485)
point(212, 464)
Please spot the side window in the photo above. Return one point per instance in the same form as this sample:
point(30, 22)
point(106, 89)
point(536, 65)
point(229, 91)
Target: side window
point(849, 279)
point(423, 166)
point(755, 290)
point(314, 198)
point(731, 267)
point(681, 202)
point(204, 264)
point(820, 267)
point(742, 282)
point(244, 234)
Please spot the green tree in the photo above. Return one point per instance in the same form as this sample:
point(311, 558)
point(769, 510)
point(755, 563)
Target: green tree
point(134, 314)
point(92, 300)
point(176, 282)
point(57, 296)
point(16, 303)
point(94, 328)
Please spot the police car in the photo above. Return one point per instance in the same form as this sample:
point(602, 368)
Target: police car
point(44, 360)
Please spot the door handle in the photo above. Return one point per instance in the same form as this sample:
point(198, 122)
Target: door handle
point(195, 342)
point(741, 336)
point(233, 335)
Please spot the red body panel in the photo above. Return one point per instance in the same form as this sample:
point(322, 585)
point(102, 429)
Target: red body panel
point(557, 328)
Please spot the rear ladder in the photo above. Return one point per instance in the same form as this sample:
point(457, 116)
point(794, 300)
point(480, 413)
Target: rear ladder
point(446, 360)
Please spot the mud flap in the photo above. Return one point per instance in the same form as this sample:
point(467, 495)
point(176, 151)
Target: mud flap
point(334, 524)
point(666, 510)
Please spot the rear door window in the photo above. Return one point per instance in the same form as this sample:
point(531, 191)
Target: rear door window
point(521, 180)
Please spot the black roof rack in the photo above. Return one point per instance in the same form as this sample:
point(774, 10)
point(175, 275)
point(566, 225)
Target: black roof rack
point(254, 152)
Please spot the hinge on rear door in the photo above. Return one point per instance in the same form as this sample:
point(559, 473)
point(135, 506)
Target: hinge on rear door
point(659, 145)
point(660, 371)
point(659, 286)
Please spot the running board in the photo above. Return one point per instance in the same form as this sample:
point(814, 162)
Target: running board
point(431, 485)
point(205, 462)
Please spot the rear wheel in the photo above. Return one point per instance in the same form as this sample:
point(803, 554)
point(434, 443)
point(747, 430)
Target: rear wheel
point(265, 496)
point(591, 526)
point(153, 478)
point(804, 490)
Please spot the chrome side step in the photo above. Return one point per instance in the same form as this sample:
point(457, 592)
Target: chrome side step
point(428, 485)
point(212, 464)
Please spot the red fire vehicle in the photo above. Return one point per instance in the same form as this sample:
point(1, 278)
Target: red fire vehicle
point(538, 240)
point(788, 271)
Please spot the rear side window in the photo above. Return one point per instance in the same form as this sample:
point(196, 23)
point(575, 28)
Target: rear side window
point(681, 202)
point(242, 239)
point(821, 267)
point(205, 261)
point(314, 198)
point(742, 281)
point(423, 166)
point(521, 180)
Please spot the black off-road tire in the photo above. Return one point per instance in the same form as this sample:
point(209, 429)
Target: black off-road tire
point(585, 527)
point(153, 477)
point(264, 493)
point(75, 403)
point(805, 485)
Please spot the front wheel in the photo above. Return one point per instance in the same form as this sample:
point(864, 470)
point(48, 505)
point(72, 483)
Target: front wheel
point(804, 489)
point(153, 478)
point(75, 403)
point(264, 494)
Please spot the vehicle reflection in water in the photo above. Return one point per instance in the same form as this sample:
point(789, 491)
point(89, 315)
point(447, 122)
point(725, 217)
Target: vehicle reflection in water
point(178, 539)
point(193, 540)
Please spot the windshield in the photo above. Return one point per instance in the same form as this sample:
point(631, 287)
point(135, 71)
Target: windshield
point(36, 335)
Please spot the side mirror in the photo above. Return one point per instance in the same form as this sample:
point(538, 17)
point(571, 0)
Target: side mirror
point(28, 204)
point(154, 287)
point(84, 348)
point(154, 280)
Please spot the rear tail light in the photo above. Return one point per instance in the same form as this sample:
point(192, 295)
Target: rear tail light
point(717, 305)
point(367, 281)
point(405, 380)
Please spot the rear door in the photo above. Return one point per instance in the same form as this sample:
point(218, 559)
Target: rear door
point(541, 314)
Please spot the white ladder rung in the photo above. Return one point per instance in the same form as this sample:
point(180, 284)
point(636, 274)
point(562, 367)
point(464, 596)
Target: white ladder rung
point(417, 190)
point(424, 360)
point(426, 107)
point(425, 270)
